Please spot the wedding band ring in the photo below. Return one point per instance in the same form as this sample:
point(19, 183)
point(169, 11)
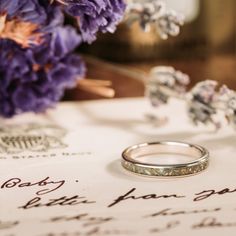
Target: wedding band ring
point(132, 155)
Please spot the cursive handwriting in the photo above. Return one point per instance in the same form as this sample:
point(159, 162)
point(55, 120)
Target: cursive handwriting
point(209, 193)
point(127, 196)
point(62, 201)
point(212, 222)
point(171, 212)
point(85, 217)
point(18, 183)
point(96, 231)
point(167, 227)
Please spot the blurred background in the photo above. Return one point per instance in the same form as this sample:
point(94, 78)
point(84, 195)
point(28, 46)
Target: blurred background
point(205, 49)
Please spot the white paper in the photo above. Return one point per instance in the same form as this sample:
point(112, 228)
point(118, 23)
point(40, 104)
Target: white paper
point(61, 171)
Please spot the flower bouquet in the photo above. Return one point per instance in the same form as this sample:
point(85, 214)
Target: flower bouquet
point(37, 44)
point(38, 39)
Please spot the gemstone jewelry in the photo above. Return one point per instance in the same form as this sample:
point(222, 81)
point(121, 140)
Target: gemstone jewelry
point(132, 159)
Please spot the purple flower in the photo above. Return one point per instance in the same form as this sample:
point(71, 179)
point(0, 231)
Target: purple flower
point(34, 79)
point(37, 62)
point(27, 21)
point(96, 15)
point(24, 9)
point(39, 12)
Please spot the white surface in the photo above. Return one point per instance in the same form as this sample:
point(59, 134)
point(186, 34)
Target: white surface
point(99, 131)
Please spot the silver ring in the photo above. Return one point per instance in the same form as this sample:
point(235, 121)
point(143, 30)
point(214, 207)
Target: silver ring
point(132, 155)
